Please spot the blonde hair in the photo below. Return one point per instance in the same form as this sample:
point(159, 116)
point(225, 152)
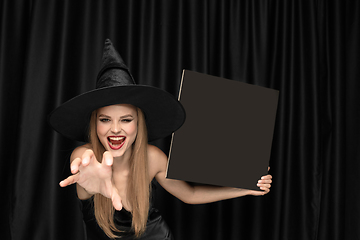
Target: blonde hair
point(138, 186)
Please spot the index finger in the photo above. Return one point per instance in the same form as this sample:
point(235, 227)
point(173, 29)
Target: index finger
point(74, 166)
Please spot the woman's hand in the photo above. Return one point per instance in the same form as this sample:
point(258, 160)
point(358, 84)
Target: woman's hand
point(264, 184)
point(94, 177)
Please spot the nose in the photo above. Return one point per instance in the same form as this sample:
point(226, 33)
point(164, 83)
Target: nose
point(115, 127)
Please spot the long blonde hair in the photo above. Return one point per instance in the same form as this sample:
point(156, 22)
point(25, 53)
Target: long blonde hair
point(138, 186)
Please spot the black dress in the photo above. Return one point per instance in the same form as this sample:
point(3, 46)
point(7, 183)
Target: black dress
point(156, 228)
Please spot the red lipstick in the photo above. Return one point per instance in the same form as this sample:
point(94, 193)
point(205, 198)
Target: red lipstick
point(116, 142)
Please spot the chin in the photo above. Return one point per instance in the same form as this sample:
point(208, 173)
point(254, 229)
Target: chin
point(116, 154)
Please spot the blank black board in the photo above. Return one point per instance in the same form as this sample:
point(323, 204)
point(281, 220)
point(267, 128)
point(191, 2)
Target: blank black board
point(227, 136)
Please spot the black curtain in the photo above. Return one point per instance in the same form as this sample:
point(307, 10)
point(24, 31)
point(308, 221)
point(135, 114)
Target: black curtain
point(50, 51)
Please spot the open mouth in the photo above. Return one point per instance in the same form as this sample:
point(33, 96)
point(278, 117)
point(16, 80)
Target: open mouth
point(116, 142)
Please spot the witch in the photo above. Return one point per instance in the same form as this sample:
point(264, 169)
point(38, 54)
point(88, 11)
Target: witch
point(114, 170)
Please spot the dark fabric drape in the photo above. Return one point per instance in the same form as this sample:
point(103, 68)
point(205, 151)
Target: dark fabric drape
point(50, 51)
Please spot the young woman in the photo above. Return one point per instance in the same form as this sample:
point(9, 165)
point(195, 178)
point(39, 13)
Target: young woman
point(114, 170)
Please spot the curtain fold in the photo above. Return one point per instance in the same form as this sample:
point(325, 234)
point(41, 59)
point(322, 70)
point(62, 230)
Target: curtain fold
point(50, 51)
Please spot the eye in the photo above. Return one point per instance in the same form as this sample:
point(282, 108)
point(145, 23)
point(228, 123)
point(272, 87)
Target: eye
point(104, 120)
point(126, 120)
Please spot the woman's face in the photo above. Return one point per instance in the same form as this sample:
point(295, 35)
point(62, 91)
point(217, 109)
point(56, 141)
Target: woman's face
point(116, 127)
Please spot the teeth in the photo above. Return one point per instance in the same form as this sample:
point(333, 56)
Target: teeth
point(116, 138)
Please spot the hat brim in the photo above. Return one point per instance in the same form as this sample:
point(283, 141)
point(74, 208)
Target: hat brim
point(164, 114)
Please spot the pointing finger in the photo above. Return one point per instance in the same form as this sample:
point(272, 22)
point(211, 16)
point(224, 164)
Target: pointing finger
point(75, 165)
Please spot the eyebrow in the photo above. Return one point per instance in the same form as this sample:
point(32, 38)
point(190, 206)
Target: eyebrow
point(125, 116)
point(103, 115)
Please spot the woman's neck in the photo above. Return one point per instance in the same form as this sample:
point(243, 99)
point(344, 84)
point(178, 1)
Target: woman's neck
point(122, 162)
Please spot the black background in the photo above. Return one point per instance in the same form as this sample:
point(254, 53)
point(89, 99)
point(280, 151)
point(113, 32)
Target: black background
point(50, 51)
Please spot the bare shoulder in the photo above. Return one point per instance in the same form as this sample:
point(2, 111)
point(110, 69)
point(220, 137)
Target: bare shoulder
point(79, 151)
point(157, 160)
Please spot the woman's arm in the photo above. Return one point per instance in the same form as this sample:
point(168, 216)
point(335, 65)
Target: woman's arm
point(197, 194)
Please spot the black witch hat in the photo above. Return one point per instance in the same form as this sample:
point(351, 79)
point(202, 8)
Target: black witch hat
point(164, 114)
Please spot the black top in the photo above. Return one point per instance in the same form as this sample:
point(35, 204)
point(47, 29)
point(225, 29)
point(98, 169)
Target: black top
point(156, 228)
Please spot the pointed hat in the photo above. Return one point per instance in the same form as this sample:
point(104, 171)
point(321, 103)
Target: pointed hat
point(164, 114)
